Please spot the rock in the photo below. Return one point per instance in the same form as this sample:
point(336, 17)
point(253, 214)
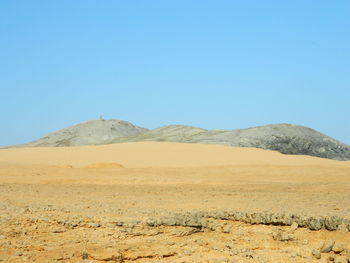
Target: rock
point(201, 242)
point(18, 253)
point(327, 246)
point(107, 255)
point(295, 254)
point(84, 255)
point(94, 225)
point(331, 258)
point(338, 248)
point(294, 226)
point(185, 232)
point(279, 235)
point(227, 229)
point(333, 223)
point(207, 220)
point(314, 223)
point(149, 253)
point(343, 227)
point(188, 252)
point(247, 253)
point(305, 242)
point(316, 253)
point(58, 230)
point(287, 237)
point(242, 252)
point(340, 260)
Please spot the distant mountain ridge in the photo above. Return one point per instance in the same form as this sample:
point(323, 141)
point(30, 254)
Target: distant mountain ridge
point(285, 138)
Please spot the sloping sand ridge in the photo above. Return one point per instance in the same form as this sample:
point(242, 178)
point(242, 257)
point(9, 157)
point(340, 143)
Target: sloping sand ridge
point(157, 154)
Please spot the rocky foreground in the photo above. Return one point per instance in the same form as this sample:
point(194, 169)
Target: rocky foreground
point(171, 203)
point(198, 237)
point(125, 223)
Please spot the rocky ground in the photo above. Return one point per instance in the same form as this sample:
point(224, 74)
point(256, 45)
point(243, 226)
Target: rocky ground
point(289, 210)
point(171, 223)
point(64, 236)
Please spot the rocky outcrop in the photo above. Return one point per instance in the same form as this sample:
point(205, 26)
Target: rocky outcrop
point(203, 220)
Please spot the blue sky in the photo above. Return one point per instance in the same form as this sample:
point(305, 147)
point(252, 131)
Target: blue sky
point(213, 64)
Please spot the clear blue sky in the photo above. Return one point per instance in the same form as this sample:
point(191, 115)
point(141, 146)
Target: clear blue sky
point(213, 64)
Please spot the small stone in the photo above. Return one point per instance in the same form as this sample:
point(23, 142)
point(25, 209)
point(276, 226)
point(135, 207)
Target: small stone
point(331, 258)
point(338, 248)
point(84, 255)
point(293, 254)
point(58, 230)
point(294, 226)
point(188, 252)
point(247, 254)
point(327, 246)
point(316, 254)
point(305, 242)
point(343, 227)
point(227, 229)
point(201, 242)
point(19, 253)
point(185, 232)
point(282, 236)
point(107, 255)
point(94, 225)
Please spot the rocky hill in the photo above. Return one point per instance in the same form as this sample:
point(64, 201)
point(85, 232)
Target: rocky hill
point(88, 133)
point(285, 138)
point(171, 133)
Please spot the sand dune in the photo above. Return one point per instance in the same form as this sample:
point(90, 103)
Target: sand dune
point(104, 165)
point(156, 154)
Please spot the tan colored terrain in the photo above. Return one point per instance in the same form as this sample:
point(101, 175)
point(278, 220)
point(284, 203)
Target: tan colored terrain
point(171, 202)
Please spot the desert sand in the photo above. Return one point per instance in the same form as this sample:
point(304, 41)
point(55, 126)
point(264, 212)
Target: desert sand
point(171, 202)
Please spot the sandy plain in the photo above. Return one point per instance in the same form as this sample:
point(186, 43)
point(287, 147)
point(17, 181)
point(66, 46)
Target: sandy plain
point(171, 202)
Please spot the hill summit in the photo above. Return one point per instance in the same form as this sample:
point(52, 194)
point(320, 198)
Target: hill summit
point(88, 133)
